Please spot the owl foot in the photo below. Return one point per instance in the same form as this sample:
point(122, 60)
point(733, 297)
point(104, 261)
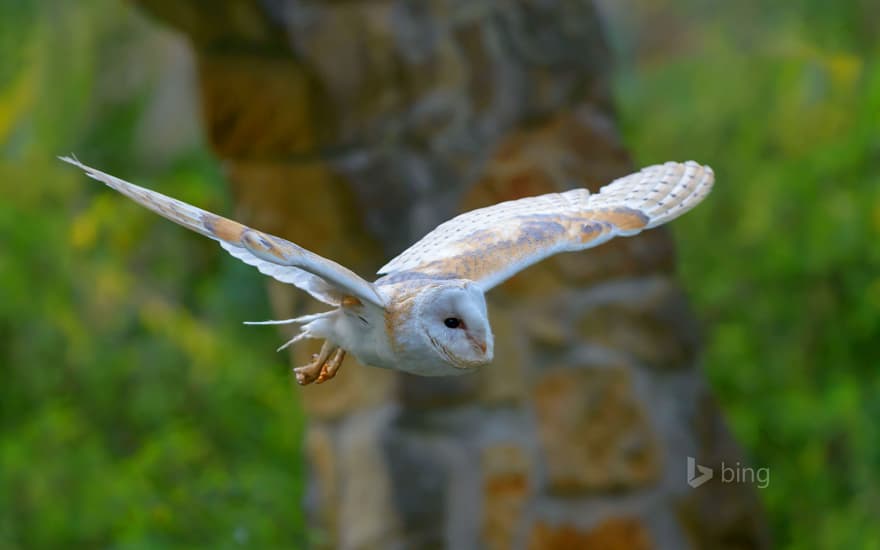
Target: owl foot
point(323, 367)
point(328, 369)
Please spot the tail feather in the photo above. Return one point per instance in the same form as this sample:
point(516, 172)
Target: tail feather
point(293, 340)
point(311, 326)
point(300, 319)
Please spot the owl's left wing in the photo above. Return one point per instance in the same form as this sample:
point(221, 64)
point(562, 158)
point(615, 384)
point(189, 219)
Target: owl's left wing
point(279, 258)
point(489, 245)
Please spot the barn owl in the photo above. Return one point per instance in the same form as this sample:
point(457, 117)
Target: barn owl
point(426, 314)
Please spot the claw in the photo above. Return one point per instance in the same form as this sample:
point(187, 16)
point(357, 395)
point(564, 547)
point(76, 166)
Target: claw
point(329, 369)
point(323, 367)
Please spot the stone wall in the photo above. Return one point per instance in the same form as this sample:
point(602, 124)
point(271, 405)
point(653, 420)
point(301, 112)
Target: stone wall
point(352, 128)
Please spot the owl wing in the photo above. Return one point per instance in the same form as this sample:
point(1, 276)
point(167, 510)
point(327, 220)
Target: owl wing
point(491, 244)
point(324, 279)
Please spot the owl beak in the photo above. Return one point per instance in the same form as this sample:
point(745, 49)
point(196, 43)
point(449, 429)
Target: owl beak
point(479, 344)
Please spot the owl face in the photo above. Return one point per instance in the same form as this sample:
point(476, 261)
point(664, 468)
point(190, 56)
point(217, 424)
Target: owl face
point(456, 327)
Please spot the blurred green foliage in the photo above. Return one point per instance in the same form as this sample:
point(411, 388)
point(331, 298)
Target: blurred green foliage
point(137, 411)
point(782, 262)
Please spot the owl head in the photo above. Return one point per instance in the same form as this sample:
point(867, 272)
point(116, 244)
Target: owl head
point(455, 326)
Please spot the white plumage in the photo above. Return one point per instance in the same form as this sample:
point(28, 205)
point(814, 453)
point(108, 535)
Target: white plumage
point(427, 314)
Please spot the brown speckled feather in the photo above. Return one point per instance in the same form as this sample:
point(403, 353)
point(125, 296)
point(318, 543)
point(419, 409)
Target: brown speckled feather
point(491, 244)
point(322, 278)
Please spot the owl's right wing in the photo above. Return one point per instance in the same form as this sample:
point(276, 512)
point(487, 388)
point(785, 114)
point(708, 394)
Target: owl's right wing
point(491, 244)
point(281, 259)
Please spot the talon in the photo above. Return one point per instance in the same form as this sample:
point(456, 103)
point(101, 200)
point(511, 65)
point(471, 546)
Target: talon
point(304, 375)
point(329, 369)
point(323, 366)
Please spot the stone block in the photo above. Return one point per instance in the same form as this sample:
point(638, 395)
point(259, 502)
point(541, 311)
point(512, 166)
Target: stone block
point(505, 488)
point(619, 533)
point(593, 431)
point(290, 119)
point(324, 479)
point(653, 325)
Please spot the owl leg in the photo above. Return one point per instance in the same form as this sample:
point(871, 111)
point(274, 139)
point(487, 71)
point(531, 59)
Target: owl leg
point(328, 370)
point(307, 374)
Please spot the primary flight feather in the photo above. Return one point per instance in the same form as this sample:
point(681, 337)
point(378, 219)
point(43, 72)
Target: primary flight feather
point(427, 313)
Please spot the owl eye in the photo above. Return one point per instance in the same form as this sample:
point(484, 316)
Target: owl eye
point(452, 322)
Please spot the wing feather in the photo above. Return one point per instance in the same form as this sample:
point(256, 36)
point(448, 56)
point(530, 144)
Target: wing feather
point(281, 259)
point(489, 245)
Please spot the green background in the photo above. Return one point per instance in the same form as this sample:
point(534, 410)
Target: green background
point(138, 412)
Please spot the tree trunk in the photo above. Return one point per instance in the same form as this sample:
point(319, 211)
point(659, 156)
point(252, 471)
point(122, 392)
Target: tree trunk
point(352, 128)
